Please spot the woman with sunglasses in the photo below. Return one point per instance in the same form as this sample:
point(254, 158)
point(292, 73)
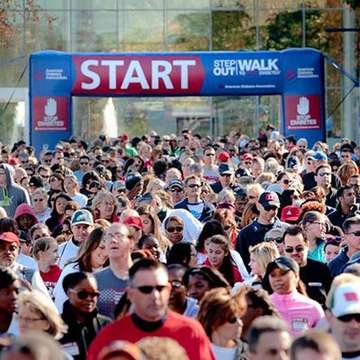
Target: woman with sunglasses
point(174, 228)
point(220, 315)
point(80, 313)
point(58, 212)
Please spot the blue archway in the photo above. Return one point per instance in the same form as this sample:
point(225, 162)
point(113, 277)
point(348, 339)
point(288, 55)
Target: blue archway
point(295, 74)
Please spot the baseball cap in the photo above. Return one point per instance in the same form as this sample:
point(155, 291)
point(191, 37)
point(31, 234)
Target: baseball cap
point(175, 183)
point(134, 221)
point(290, 213)
point(223, 156)
point(36, 181)
point(269, 198)
point(319, 155)
point(225, 169)
point(284, 263)
point(82, 216)
point(346, 299)
point(131, 180)
point(346, 148)
point(10, 237)
point(246, 157)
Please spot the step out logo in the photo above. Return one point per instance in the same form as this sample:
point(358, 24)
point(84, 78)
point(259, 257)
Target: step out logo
point(50, 113)
point(302, 112)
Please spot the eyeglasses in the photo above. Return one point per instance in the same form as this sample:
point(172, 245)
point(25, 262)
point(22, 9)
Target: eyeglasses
point(175, 228)
point(82, 294)
point(324, 174)
point(193, 186)
point(297, 249)
point(176, 284)
point(278, 240)
point(147, 289)
point(226, 175)
point(355, 233)
point(349, 317)
point(175, 190)
point(84, 163)
point(36, 200)
point(270, 208)
point(210, 154)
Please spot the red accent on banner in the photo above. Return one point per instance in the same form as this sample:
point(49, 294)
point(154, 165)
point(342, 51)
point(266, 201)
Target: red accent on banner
point(302, 112)
point(50, 113)
point(138, 75)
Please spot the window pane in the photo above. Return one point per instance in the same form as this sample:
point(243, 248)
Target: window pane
point(188, 4)
point(94, 4)
point(143, 4)
point(187, 31)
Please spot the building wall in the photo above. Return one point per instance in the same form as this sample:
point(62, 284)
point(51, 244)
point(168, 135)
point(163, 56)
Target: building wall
point(174, 25)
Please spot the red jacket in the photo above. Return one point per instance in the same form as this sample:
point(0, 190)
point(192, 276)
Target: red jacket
point(187, 332)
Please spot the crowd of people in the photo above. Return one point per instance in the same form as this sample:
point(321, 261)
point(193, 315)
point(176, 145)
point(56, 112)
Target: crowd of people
point(180, 247)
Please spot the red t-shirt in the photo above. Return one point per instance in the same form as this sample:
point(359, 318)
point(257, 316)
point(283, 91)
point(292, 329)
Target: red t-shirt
point(51, 277)
point(187, 332)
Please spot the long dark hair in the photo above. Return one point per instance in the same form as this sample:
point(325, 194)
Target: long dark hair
point(212, 227)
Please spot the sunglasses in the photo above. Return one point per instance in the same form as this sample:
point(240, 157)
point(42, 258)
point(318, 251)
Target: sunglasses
point(277, 240)
point(324, 174)
point(210, 154)
point(349, 317)
point(269, 208)
point(84, 163)
point(82, 294)
point(175, 228)
point(226, 175)
point(175, 190)
point(38, 200)
point(297, 249)
point(147, 289)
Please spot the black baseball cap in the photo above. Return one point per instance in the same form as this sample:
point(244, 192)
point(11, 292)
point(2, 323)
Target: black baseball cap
point(284, 263)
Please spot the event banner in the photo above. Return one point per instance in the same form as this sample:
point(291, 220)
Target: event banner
point(295, 74)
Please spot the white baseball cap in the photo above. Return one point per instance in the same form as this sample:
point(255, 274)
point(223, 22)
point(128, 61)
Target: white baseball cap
point(346, 299)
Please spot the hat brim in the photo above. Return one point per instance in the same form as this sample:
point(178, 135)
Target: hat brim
point(227, 172)
point(348, 310)
point(82, 222)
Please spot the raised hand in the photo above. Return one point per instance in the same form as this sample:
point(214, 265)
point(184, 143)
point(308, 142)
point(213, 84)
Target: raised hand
point(303, 106)
point(50, 107)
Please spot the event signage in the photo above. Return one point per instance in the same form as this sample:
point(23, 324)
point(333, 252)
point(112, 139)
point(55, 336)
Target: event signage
point(297, 75)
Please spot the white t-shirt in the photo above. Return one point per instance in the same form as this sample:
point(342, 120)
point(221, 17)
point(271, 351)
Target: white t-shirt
point(67, 251)
point(222, 353)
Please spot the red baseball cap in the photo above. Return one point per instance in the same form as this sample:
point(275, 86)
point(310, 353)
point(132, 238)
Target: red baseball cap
point(10, 237)
point(134, 221)
point(247, 156)
point(290, 213)
point(223, 156)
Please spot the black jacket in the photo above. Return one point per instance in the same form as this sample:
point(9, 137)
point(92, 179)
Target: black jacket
point(81, 334)
point(206, 214)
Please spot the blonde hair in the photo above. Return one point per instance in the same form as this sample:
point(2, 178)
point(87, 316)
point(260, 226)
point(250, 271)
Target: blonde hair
point(346, 170)
point(40, 303)
point(226, 193)
point(265, 176)
point(264, 253)
point(101, 196)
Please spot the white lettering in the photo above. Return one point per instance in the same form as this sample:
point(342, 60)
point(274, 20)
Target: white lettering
point(184, 64)
point(135, 74)
point(157, 74)
point(90, 74)
point(112, 64)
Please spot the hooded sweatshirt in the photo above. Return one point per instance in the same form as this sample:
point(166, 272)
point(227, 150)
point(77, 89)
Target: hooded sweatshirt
point(12, 195)
point(25, 209)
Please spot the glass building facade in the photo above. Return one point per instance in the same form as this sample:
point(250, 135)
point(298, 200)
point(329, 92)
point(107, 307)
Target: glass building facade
point(174, 25)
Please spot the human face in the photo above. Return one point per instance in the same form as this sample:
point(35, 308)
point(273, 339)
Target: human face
point(296, 248)
point(352, 238)
point(283, 282)
point(254, 265)
point(215, 254)
point(45, 175)
point(8, 253)
point(31, 319)
point(8, 297)
point(331, 252)
point(229, 331)
point(345, 156)
point(267, 214)
point(252, 196)
point(153, 245)
point(272, 345)
point(178, 290)
point(148, 226)
point(106, 208)
point(348, 198)
point(25, 221)
point(81, 231)
point(60, 204)
point(193, 256)
point(55, 183)
point(174, 231)
point(285, 182)
point(70, 185)
point(193, 188)
point(323, 177)
point(83, 296)
point(197, 286)
point(135, 234)
point(39, 202)
point(84, 165)
point(176, 194)
point(307, 353)
point(152, 306)
point(49, 256)
point(225, 180)
point(209, 157)
point(39, 233)
point(316, 229)
point(347, 334)
point(117, 242)
point(99, 256)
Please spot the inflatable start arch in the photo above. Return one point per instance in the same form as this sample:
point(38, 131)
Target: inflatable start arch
point(295, 74)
